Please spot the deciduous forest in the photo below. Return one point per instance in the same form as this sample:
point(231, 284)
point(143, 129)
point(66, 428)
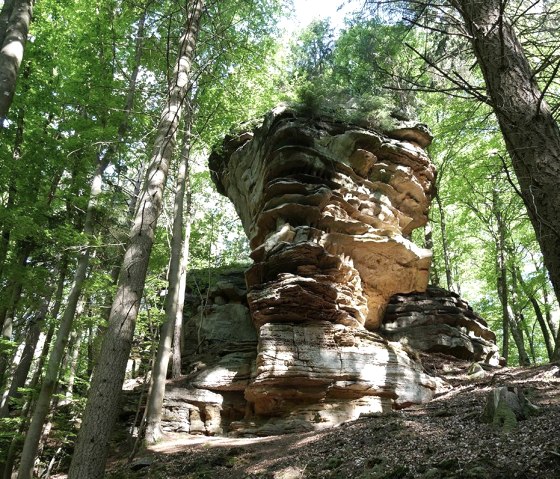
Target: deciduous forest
point(116, 232)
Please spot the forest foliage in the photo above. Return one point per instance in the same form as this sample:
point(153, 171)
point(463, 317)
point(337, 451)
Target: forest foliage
point(390, 62)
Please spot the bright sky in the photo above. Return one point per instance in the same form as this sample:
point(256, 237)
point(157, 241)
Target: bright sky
point(305, 11)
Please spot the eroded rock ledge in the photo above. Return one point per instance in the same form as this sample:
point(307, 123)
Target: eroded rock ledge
point(439, 321)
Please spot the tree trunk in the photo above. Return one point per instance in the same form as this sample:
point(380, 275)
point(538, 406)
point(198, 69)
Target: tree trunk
point(538, 314)
point(175, 295)
point(547, 310)
point(446, 261)
point(90, 454)
point(22, 370)
point(5, 15)
point(429, 244)
point(49, 383)
point(530, 132)
point(178, 331)
point(11, 53)
point(41, 410)
point(516, 328)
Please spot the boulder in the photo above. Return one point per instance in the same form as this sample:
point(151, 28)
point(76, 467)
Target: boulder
point(191, 410)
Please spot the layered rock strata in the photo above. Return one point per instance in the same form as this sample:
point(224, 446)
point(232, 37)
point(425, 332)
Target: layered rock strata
point(327, 208)
point(440, 321)
point(303, 376)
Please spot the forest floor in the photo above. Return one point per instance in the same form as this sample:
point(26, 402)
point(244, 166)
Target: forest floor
point(441, 439)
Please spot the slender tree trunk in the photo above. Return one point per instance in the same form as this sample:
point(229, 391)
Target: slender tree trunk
point(547, 309)
point(501, 282)
point(429, 244)
point(538, 314)
point(48, 386)
point(531, 134)
point(6, 468)
point(445, 246)
point(517, 322)
point(7, 315)
point(90, 454)
point(174, 299)
point(12, 50)
point(22, 370)
point(516, 328)
point(72, 369)
point(178, 330)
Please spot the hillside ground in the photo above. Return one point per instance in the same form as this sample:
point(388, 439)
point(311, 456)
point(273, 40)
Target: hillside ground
point(441, 439)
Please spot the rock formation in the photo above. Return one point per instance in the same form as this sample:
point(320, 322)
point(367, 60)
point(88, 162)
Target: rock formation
point(307, 375)
point(327, 208)
point(300, 342)
point(439, 321)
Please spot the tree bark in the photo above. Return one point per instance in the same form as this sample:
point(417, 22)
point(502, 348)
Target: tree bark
point(531, 134)
point(516, 328)
point(175, 295)
point(48, 386)
point(5, 15)
point(501, 279)
point(90, 454)
point(12, 50)
point(538, 314)
point(22, 369)
point(178, 330)
point(446, 260)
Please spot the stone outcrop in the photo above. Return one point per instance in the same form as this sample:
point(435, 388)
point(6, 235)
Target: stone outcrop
point(219, 354)
point(327, 208)
point(300, 342)
point(328, 363)
point(440, 321)
point(302, 376)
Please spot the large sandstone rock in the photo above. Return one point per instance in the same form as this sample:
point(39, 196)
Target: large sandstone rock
point(327, 208)
point(323, 362)
point(439, 321)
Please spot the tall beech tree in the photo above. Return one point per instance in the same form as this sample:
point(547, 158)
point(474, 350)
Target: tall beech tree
point(88, 461)
point(531, 133)
point(15, 18)
point(176, 291)
point(529, 129)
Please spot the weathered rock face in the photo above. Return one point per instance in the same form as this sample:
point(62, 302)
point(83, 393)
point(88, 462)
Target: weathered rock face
point(439, 321)
point(324, 363)
point(304, 376)
point(327, 208)
point(219, 355)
